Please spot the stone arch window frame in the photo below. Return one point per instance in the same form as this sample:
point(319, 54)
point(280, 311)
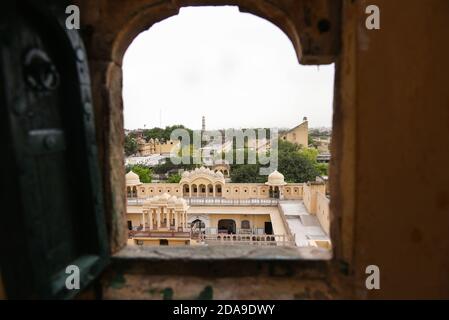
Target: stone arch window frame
point(124, 32)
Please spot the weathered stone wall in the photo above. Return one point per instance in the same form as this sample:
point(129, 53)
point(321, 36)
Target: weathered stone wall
point(148, 273)
point(391, 118)
point(401, 180)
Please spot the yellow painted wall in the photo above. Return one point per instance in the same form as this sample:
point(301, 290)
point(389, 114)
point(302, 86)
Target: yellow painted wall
point(322, 211)
point(154, 189)
point(256, 221)
point(135, 218)
point(149, 148)
point(229, 190)
point(155, 242)
point(293, 191)
point(310, 191)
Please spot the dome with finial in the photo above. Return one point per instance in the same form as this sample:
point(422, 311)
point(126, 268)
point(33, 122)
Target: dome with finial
point(276, 179)
point(132, 179)
point(202, 173)
point(165, 200)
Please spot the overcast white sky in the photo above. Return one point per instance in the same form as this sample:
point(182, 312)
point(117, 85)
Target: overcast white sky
point(236, 69)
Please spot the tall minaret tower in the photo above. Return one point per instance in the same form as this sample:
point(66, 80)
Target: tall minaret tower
point(203, 127)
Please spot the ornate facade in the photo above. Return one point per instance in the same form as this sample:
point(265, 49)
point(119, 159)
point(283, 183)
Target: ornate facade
point(203, 209)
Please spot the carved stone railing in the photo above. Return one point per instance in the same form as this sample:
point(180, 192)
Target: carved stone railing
point(159, 234)
point(253, 239)
point(135, 201)
point(209, 201)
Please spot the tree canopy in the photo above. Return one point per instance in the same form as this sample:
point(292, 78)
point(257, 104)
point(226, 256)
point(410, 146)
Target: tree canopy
point(145, 173)
point(295, 163)
point(130, 145)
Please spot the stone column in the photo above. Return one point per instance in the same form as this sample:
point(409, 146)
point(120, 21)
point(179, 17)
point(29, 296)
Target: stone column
point(181, 220)
point(214, 187)
point(150, 217)
point(190, 191)
point(176, 221)
point(158, 218)
point(143, 220)
point(169, 215)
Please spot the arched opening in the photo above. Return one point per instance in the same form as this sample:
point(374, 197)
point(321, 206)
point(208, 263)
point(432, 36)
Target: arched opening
point(185, 190)
point(194, 190)
point(202, 190)
point(198, 227)
point(226, 226)
point(210, 190)
point(218, 190)
point(188, 80)
point(274, 192)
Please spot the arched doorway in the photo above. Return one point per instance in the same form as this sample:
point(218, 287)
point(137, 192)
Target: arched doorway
point(202, 190)
point(198, 224)
point(218, 190)
point(274, 192)
point(186, 190)
point(226, 226)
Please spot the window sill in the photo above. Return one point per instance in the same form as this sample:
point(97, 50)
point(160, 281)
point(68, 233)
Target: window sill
point(220, 253)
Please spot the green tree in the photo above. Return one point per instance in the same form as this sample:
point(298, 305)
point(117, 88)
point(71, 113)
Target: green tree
point(297, 164)
point(248, 173)
point(322, 168)
point(309, 153)
point(164, 134)
point(174, 178)
point(145, 173)
point(296, 167)
point(154, 133)
point(130, 145)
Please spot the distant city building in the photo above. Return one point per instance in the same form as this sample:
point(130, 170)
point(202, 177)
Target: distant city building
point(299, 134)
point(322, 145)
point(149, 161)
point(323, 158)
point(155, 146)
